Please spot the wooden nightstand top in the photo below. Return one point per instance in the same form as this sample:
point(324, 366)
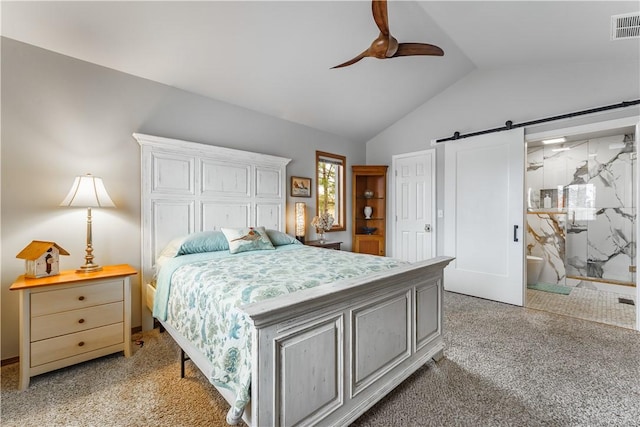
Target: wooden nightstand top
point(326, 244)
point(70, 276)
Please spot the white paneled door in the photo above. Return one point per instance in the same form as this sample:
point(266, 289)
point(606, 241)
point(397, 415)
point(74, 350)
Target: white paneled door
point(484, 215)
point(414, 233)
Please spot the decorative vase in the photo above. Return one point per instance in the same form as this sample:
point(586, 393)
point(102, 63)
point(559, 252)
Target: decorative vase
point(367, 212)
point(321, 235)
point(368, 194)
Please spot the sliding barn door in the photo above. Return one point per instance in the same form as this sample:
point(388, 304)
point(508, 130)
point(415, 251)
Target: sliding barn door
point(484, 190)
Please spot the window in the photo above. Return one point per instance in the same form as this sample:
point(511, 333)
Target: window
point(330, 194)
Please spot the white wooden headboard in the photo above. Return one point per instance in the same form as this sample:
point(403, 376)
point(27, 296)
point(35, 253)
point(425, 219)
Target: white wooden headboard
point(188, 187)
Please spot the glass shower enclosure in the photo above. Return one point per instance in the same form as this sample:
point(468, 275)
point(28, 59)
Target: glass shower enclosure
point(582, 210)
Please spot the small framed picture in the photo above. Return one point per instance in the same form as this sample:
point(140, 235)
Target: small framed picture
point(300, 187)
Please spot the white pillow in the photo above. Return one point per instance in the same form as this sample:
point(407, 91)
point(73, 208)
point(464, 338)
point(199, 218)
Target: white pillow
point(247, 239)
point(169, 251)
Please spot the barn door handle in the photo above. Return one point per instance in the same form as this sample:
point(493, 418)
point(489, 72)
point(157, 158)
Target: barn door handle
point(515, 233)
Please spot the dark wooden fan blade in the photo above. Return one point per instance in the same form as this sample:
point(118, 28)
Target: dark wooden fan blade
point(385, 45)
point(353, 61)
point(409, 49)
point(379, 9)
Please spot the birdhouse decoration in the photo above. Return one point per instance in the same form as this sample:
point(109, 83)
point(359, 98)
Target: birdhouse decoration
point(41, 259)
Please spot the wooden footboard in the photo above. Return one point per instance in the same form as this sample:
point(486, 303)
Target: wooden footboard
point(327, 354)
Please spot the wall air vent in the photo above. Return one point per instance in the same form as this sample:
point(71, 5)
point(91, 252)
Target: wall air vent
point(625, 26)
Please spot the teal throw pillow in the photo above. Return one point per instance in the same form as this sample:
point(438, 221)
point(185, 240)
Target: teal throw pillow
point(278, 238)
point(203, 241)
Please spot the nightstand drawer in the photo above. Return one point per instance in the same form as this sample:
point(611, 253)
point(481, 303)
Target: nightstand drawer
point(70, 345)
point(76, 297)
point(66, 322)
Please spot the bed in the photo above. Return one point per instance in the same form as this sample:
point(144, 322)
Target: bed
point(320, 353)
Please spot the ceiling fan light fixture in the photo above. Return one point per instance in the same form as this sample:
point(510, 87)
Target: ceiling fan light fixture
point(385, 46)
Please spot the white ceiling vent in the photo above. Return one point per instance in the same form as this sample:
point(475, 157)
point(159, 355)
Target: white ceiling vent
point(626, 26)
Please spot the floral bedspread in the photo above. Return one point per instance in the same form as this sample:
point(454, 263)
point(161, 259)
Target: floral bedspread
point(205, 297)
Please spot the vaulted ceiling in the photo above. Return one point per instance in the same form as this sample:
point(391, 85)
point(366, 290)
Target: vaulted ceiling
point(275, 57)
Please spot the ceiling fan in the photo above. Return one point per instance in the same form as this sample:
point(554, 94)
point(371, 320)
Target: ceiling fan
point(385, 45)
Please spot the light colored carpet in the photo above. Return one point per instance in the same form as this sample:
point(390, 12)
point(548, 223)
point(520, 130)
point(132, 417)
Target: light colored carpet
point(504, 366)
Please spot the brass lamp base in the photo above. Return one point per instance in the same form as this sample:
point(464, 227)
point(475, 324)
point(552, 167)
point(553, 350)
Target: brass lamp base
point(89, 268)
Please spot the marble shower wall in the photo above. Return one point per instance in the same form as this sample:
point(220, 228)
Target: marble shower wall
point(593, 203)
point(546, 239)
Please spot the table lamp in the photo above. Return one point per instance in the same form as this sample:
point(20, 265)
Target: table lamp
point(88, 192)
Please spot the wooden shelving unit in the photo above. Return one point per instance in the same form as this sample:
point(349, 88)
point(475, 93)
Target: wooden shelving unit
point(369, 178)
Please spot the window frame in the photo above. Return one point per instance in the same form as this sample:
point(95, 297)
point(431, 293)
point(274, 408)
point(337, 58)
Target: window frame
point(340, 223)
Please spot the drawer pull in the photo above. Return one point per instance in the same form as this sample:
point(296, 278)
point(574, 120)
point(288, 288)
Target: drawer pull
point(81, 343)
point(81, 298)
point(81, 321)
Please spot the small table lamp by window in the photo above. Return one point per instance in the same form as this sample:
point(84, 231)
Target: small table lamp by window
point(301, 220)
point(88, 192)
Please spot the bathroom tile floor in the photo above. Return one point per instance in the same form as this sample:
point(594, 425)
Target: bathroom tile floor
point(597, 306)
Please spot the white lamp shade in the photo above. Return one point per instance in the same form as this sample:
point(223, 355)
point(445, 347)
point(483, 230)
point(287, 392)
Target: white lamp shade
point(301, 218)
point(88, 191)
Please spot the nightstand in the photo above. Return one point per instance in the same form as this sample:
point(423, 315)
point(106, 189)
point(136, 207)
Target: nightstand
point(326, 244)
point(73, 317)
